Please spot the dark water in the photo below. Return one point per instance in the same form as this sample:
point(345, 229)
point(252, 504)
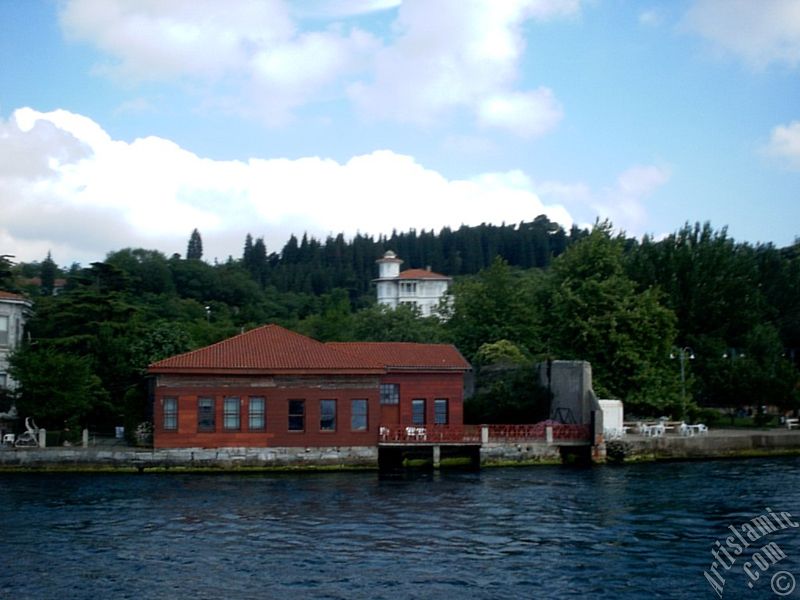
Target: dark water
point(546, 532)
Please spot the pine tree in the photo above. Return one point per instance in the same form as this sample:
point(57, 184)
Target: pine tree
point(194, 251)
point(48, 275)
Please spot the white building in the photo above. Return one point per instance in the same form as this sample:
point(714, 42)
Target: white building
point(13, 312)
point(421, 287)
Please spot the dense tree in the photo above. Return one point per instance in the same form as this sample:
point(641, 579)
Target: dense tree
point(494, 305)
point(379, 323)
point(507, 389)
point(7, 282)
point(57, 388)
point(595, 313)
point(194, 249)
point(48, 273)
point(522, 293)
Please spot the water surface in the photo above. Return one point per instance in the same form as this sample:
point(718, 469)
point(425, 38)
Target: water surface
point(546, 532)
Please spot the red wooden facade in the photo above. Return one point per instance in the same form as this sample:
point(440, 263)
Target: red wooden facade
point(270, 387)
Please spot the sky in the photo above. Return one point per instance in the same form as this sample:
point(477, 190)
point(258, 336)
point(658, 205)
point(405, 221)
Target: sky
point(128, 123)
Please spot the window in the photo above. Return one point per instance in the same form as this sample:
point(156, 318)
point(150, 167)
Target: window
point(297, 415)
point(390, 393)
point(256, 414)
point(441, 411)
point(170, 414)
point(327, 415)
point(231, 417)
point(418, 411)
point(358, 415)
point(408, 288)
point(4, 330)
point(205, 414)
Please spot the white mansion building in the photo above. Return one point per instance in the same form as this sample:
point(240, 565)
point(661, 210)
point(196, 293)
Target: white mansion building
point(421, 287)
point(14, 309)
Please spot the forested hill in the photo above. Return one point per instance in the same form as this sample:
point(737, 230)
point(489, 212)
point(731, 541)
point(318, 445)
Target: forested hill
point(695, 318)
point(312, 266)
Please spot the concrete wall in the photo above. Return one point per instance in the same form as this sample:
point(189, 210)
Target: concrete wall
point(570, 382)
point(718, 445)
point(188, 458)
point(495, 454)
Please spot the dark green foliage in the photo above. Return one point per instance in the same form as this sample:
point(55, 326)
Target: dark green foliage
point(6, 274)
point(523, 293)
point(314, 267)
point(403, 324)
point(507, 388)
point(595, 313)
point(57, 387)
point(494, 305)
point(194, 249)
point(48, 273)
point(507, 394)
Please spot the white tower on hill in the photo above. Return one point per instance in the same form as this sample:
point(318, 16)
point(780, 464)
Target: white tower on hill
point(420, 287)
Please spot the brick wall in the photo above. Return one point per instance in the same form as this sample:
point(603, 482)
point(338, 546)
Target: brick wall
point(429, 386)
point(277, 393)
point(276, 432)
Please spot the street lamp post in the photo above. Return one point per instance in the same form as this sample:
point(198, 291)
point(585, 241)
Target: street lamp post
point(682, 355)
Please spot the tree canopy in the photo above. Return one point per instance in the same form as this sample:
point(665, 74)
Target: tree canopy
point(522, 293)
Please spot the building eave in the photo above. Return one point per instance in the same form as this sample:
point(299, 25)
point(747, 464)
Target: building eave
point(263, 372)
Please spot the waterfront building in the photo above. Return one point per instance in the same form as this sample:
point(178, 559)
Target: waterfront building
point(271, 387)
point(14, 310)
point(422, 288)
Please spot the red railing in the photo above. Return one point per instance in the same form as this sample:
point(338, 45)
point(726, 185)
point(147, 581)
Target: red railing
point(538, 431)
point(427, 434)
point(430, 433)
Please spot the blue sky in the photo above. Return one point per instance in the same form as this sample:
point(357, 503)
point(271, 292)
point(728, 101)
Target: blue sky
point(127, 123)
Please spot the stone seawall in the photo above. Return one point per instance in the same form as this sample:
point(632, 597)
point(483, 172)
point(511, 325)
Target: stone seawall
point(130, 459)
point(519, 453)
point(719, 443)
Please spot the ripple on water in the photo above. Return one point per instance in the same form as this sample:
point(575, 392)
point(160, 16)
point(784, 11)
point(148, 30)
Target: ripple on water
point(644, 531)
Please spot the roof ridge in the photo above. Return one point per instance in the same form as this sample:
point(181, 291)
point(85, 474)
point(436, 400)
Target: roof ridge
point(270, 346)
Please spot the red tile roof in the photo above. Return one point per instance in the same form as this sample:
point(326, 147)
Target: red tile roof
point(270, 349)
point(273, 349)
point(407, 355)
point(13, 296)
point(421, 274)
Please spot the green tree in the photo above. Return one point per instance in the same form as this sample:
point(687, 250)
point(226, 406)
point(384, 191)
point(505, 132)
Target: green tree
point(194, 249)
point(507, 388)
point(56, 388)
point(494, 305)
point(147, 271)
point(48, 273)
point(380, 323)
point(334, 321)
point(6, 274)
point(596, 314)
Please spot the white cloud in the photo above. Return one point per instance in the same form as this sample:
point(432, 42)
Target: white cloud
point(325, 9)
point(250, 46)
point(784, 143)
point(758, 32)
point(623, 203)
point(154, 40)
point(262, 59)
point(460, 55)
point(87, 194)
point(651, 17)
point(526, 114)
